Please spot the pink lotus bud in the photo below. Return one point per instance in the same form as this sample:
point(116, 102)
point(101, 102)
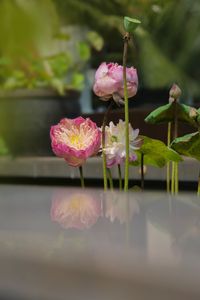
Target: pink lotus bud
point(175, 91)
point(75, 140)
point(109, 80)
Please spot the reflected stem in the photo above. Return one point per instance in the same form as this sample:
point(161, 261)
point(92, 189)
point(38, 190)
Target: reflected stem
point(81, 177)
point(110, 179)
point(198, 190)
point(176, 178)
point(142, 171)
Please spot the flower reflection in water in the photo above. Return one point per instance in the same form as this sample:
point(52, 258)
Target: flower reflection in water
point(120, 206)
point(76, 209)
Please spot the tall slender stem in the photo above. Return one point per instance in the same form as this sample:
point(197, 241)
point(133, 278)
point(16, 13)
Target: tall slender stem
point(176, 178)
point(81, 177)
point(168, 164)
point(175, 119)
point(174, 183)
point(142, 171)
point(105, 182)
point(126, 176)
point(110, 179)
point(120, 177)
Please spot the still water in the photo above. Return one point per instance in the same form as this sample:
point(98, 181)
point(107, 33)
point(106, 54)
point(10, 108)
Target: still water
point(64, 243)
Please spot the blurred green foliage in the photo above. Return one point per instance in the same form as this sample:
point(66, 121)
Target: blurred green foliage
point(3, 148)
point(36, 52)
point(166, 47)
point(26, 26)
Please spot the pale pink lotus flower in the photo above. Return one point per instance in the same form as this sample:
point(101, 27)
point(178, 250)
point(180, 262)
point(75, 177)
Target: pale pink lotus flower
point(75, 140)
point(109, 81)
point(115, 143)
point(119, 206)
point(79, 210)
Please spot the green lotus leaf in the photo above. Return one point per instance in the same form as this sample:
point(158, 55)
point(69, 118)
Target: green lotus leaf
point(188, 145)
point(155, 153)
point(131, 24)
point(165, 113)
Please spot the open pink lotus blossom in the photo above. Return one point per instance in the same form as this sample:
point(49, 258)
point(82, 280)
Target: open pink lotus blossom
point(75, 140)
point(79, 210)
point(109, 81)
point(115, 143)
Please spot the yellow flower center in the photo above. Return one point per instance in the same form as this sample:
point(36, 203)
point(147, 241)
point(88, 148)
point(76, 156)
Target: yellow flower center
point(78, 137)
point(75, 140)
point(75, 203)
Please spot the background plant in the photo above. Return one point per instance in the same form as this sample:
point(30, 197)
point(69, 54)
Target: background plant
point(37, 51)
point(168, 39)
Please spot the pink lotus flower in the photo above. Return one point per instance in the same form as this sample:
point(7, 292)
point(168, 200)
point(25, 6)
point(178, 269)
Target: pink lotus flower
point(78, 210)
point(75, 140)
point(109, 81)
point(115, 143)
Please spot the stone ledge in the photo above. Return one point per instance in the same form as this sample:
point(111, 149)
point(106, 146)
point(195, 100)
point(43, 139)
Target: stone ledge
point(50, 167)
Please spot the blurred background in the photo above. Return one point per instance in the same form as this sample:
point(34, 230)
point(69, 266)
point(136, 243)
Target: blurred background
point(50, 49)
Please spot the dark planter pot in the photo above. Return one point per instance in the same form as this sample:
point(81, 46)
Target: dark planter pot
point(26, 117)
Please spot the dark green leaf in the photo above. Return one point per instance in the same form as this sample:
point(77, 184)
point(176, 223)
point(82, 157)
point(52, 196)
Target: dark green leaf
point(188, 145)
point(156, 153)
point(165, 114)
point(131, 24)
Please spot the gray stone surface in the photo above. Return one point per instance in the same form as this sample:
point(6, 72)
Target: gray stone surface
point(55, 167)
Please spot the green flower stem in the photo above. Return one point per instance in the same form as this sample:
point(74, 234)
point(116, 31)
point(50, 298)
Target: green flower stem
point(81, 176)
point(168, 177)
point(168, 164)
point(175, 119)
point(120, 177)
point(174, 183)
point(142, 171)
point(105, 182)
point(110, 179)
point(198, 190)
point(126, 176)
